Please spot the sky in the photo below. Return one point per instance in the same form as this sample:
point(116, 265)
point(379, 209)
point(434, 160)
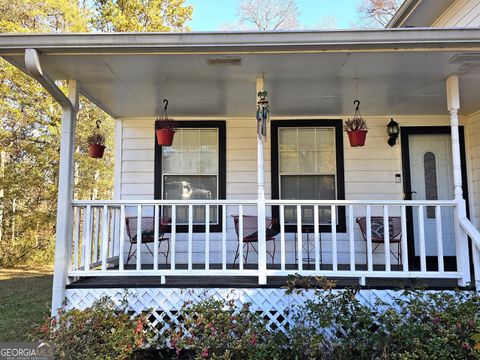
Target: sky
point(211, 15)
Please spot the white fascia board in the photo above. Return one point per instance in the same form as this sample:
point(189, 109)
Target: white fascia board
point(222, 42)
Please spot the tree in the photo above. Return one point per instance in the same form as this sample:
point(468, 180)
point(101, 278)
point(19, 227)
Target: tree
point(269, 15)
point(30, 120)
point(140, 15)
point(377, 13)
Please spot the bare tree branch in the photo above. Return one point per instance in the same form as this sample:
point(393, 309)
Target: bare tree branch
point(269, 15)
point(377, 13)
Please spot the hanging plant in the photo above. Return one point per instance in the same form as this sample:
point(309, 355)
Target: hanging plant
point(165, 127)
point(356, 128)
point(96, 142)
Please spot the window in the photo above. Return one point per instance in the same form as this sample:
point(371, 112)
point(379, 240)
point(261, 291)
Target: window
point(192, 168)
point(307, 164)
point(430, 173)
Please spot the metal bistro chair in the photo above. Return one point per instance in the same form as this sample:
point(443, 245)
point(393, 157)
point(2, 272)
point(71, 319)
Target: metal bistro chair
point(394, 229)
point(147, 235)
point(250, 235)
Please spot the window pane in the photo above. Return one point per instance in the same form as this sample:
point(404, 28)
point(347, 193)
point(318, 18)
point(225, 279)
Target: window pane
point(190, 163)
point(190, 139)
point(306, 139)
point(194, 151)
point(430, 172)
point(308, 187)
point(171, 159)
point(326, 161)
point(325, 138)
point(189, 187)
point(288, 161)
point(288, 139)
point(306, 162)
point(208, 139)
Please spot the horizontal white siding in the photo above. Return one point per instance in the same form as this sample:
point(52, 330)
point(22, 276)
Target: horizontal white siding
point(462, 13)
point(369, 174)
point(474, 160)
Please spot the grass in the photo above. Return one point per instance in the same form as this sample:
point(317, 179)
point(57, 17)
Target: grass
point(25, 298)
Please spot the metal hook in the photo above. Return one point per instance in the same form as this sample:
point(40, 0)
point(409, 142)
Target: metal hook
point(165, 101)
point(98, 122)
point(357, 102)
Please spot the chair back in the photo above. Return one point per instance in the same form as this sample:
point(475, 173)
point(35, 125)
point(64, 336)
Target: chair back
point(147, 227)
point(250, 225)
point(394, 228)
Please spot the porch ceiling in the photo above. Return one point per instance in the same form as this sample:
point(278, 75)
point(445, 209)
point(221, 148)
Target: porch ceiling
point(400, 72)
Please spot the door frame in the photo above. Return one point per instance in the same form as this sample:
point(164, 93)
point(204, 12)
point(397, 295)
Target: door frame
point(405, 132)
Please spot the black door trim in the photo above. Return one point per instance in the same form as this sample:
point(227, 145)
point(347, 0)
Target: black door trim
point(405, 132)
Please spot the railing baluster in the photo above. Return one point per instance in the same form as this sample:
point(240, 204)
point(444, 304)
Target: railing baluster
point(351, 237)
point(87, 238)
point(333, 226)
point(421, 232)
point(240, 237)
point(404, 239)
point(316, 238)
point(190, 237)
point(156, 219)
point(96, 232)
point(139, 237)
point(207, 237)
point(224, 237)
point(105, 227)
point(282, 237)
point(438, 218)
point(122, 238)
point(369, 239)
point(76, 238)
point(173, 237)
point(299, 238)
point(386, 238)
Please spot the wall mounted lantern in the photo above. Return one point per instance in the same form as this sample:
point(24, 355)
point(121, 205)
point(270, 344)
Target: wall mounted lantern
point(393, 130)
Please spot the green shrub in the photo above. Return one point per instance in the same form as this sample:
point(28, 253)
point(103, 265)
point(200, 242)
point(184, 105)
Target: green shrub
point(416, 325)
point(335, 325)
point(219, 330)
point(102, 331)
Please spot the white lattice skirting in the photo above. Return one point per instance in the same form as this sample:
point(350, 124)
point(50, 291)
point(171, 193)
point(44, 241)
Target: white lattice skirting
point(164, 303)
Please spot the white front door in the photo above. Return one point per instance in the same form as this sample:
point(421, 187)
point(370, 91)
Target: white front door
point(432, 179)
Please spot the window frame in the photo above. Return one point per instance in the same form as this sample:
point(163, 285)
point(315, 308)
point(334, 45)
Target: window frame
point(340, 170)
point(222, 166)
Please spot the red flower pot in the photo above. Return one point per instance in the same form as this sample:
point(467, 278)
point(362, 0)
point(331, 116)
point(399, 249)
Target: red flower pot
point(96, 151)
point(357, 137)
point(165, 137)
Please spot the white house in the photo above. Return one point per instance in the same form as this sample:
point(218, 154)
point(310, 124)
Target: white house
point(425, 186)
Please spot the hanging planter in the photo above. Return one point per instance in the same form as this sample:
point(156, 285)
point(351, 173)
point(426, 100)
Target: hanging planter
point(165, 127)
point(356, 128)
point(96, 143)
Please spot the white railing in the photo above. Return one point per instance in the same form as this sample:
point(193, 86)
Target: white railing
point(331, 245)
point(474, 234)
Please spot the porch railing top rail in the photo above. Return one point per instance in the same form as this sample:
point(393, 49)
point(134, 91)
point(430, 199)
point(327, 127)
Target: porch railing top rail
point(268, 202)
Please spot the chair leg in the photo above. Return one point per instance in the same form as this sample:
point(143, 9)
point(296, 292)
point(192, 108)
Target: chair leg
point(167, 253)
point(130, 255)
point(237, 254)
point(272, 254)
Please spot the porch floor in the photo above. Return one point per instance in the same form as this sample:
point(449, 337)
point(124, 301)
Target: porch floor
point(250, 281)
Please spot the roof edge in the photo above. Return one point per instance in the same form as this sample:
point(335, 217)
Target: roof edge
point(131, 43)
point(402, 13)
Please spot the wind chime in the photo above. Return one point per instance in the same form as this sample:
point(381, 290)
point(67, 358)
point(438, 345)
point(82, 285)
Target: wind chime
point(263, 112)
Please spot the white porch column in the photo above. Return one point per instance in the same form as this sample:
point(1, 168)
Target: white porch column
point(65, 196)
point(453, 103)
point(262, 246)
